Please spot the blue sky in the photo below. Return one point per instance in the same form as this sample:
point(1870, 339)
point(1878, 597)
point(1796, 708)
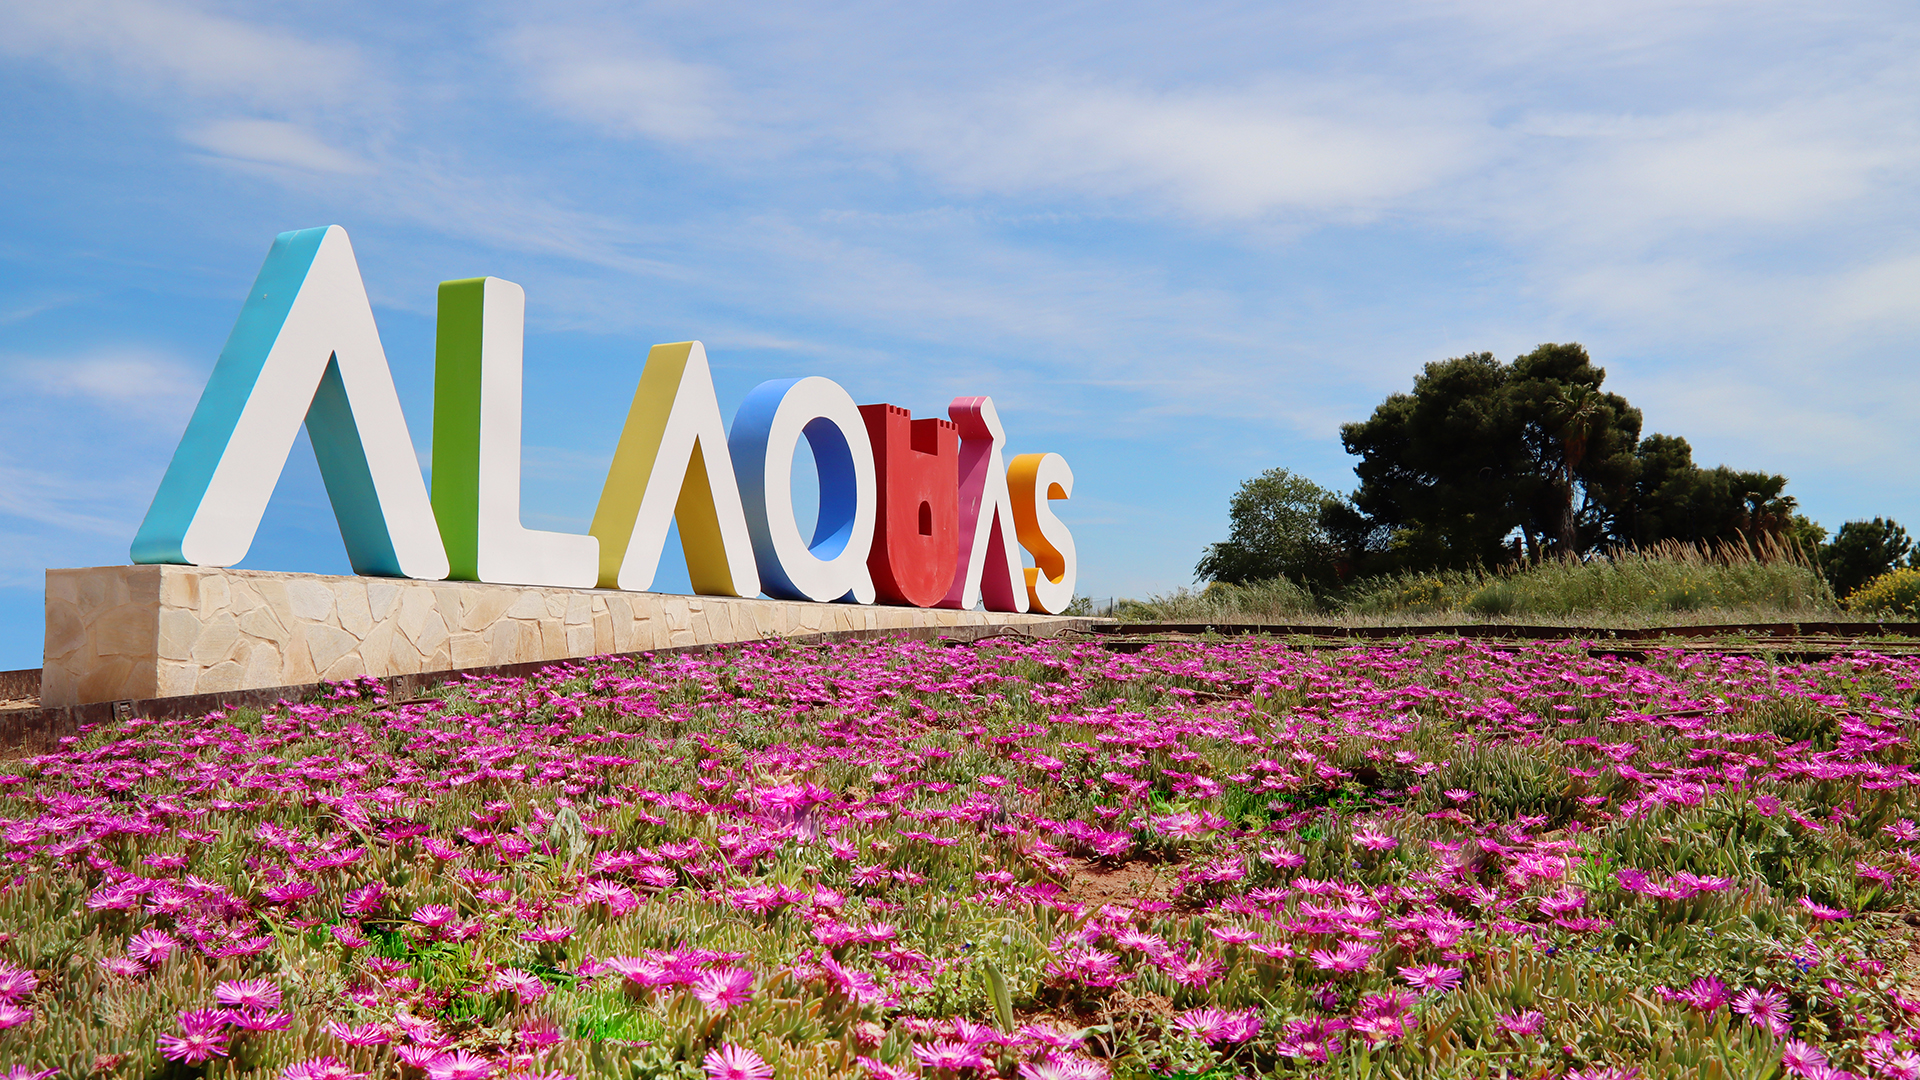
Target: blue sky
point(1177, 244)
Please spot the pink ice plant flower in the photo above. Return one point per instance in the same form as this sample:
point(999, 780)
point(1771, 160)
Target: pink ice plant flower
point(523, 985)
point(320, 1068)
point(730, 1062)
point(248, 993)
point(721, 989)
point(202, 1037)
point(459, 1065)
point(17, 983)
point(151, 947)
point(1822, 911)
point(433, 916)
point(1767, 1009)
point(1432, 978)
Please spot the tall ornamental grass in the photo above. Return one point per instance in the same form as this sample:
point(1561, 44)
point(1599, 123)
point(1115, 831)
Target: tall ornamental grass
point(1278, 600)
point(1727, 581)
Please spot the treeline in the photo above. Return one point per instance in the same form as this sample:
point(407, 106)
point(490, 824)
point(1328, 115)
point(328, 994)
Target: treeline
point(1487, 466)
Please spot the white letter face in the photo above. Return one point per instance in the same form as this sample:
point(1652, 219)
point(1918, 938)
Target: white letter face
point(769, 425)
point(305, 346)
point(476, 446)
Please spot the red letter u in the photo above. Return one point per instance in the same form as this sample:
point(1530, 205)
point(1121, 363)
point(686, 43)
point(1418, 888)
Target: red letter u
point(916, 536)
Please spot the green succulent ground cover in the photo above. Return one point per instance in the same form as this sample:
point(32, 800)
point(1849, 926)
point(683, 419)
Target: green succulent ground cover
point(1037, 860)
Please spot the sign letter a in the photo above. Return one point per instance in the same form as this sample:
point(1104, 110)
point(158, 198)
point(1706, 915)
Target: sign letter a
point(305, 347)
point(989, 567)
point(673, 464)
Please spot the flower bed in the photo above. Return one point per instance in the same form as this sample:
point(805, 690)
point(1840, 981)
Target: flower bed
point(1033, 860)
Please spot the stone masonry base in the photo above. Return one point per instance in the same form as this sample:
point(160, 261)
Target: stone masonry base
point(118, 633)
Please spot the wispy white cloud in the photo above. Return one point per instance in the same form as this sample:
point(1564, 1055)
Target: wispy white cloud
point(54, 498)
point(273, 142)
point(130, 380)
point(1320, 146)
point(1639, 179)
point(185, 47)
point(615, 81)
point(1883, 293)
point(24, 309)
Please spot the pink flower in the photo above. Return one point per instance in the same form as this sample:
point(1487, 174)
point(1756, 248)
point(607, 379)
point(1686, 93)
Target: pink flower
point(1522, 1023)
point(366, 900)
point(261, 1020)
point(459, 1065)
point(1432, 977)
point(358, 1034)
point(1352, 956)
point(1768, 1010)
point(1063, 1067)
point(1193, 971)
point(122, 967)
point(540, 1033)
point(949, 1054)
point(723, 988)
point(320, 1068)
point(348, 936)
point(202, 1037)
point(521, 984)
point(1706, 994)
point(291, 893)
point(204, 1020)
point(152, 947)
point(1182, 825)
point(880, 1070)
point(1374, 840)
point(1201, 1022)
point(17, 983)
point(1085, 965)
point(1801, 1059)
point(12, 1015)
point(730, 1062)
point(617, 898)
point(1822, 911)
point(1140, 941)
point(248, 993)
point(1214, 1026)
point(433, 916)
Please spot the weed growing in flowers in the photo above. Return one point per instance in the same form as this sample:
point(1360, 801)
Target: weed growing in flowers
point(1028, 860)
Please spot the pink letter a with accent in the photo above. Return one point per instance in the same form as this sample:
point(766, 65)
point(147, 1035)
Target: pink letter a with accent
point(989, 564)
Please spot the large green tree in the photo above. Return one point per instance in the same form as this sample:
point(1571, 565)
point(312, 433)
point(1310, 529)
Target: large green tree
point(1671, 498)
point(1862, 551)
point(1275, 530)
point(1480, 450)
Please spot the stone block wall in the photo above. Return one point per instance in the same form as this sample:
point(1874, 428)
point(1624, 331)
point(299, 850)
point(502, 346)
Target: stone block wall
point(119, 633)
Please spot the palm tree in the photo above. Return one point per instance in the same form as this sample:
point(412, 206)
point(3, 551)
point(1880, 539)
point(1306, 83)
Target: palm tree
point(1574, 413)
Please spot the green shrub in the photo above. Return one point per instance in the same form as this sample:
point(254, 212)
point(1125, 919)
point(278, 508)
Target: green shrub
point(1896, 592)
